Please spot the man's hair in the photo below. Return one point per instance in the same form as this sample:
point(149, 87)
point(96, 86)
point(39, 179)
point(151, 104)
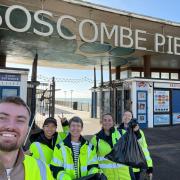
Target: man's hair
point(106, 114)
point(77, 120)
point(16, 100)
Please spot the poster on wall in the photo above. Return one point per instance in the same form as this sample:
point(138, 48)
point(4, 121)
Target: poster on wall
point(141, 107)
point(142, 96)
point(142, 118)
point(176, 118)
point(161, 101)
point(161, 119)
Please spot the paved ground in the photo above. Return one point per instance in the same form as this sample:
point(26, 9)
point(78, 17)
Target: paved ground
point(164, 143)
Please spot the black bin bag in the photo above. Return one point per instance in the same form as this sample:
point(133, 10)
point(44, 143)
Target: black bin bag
point(96, 176)
point(127, 151)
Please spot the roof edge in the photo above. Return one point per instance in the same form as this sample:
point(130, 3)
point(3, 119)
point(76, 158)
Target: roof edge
point(122, 12)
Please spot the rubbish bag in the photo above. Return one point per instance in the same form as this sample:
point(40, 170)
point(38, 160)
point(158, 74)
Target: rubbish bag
point(127, 151)
point(97, 176)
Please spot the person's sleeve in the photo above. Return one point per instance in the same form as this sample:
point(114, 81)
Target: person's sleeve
point(49, 173)
point(93, 141)
point(65, 127)
point(34, 151)
point(57, 165)
point(92, 166)
point(144, 146)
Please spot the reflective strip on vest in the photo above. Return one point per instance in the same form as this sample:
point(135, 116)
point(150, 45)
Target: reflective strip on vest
point(148, 158)
point(61, 175)
point(57, 162)
point(84, 169)
point(102, 159)
point(69, 166)
point(89, 150)
point(42, 169)
point(111, 166)
point(94, 160)
point(145, 150)
point(63, 150)
point(42, 157)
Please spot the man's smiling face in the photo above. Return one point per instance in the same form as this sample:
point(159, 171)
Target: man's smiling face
point(14, 121)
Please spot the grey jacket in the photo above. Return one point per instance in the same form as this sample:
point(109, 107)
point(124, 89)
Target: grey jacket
point(17, 172)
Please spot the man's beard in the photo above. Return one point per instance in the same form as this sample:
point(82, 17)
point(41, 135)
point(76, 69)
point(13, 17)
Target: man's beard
point(11, 146)
point(8, 147)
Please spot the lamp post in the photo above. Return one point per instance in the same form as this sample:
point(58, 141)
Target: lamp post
point(71, 97)
point(65, 97)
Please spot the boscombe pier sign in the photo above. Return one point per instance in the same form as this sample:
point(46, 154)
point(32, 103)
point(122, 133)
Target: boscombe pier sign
point(121, 36)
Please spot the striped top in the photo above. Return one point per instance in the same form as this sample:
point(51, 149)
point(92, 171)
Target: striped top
point(76, 149)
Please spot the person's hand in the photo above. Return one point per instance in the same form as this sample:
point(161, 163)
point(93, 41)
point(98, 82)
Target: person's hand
point(136, 128)
point(150, 176)
point(63, 119)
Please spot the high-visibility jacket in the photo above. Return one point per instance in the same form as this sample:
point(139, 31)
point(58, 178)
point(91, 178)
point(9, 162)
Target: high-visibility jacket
point(112, 170)
point(144, 146)
point(43, 151)
point(36, 169)
point(62, 164)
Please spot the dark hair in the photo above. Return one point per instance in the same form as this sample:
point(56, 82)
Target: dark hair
point(107, 114)
point(77, 120)
point(50, 120)
point(16, 100)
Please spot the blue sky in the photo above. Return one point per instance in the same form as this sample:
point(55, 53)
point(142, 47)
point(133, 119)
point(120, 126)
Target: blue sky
point(164, 9)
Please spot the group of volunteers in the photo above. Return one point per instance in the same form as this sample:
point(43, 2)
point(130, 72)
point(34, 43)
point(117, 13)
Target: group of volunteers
point(63, 155)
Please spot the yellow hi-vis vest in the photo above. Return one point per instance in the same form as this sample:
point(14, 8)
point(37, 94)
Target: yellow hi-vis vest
point(112, 170)
point(144, 146)
point(35, 169)
point(62, 163)
point(42, 151)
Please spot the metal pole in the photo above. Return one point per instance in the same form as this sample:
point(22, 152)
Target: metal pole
point(110, 73)
point(65, 98)
point(34, 83)
point(53, 97)
point(110, 86)
point(94, 77)
point(102, 83)
point(71, 97)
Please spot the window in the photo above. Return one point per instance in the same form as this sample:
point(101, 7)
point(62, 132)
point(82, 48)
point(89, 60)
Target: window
point(135, 74)
point(155, 75)
point(164, 75)
point(174, 75)
point(124, 74)
point(142, 74)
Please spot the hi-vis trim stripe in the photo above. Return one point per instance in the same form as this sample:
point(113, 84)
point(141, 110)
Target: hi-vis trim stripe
point(89, 150)
point(63, 150)
point(148, 158)
point(94, 160)
point(111, 166)
point(42, 157)
point(69, 166)
point(42, 168)
point(84, 168)
point(57, 162)
point(145, 150)
point(61, 175)
point(102, 159)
